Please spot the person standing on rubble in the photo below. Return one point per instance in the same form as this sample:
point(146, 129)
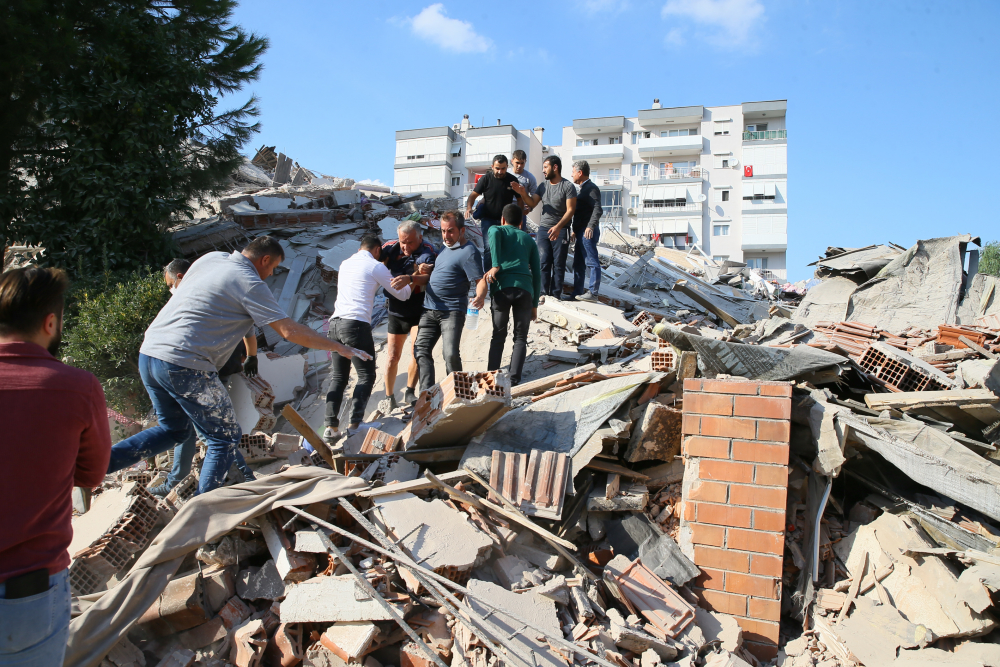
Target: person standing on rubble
point(457, 267)
point(496, 188)
point(221, 297)
point(360, 277)
point(527, 180)
point(410, 261)
point(239, 361)
point(587, 232)
point(56, 436)
point(516, 281)
point(558, 198)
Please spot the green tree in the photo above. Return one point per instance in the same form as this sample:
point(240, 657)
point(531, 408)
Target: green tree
point(106, 320)
point(989, 259)
point(131, 134)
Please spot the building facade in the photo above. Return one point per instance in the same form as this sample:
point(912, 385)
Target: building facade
point(445, 161)
point(711, 177)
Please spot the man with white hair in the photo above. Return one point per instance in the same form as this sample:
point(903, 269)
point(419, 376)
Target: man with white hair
point(410, 261)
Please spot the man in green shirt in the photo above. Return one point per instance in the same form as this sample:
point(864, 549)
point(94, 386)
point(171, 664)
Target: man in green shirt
point(515, 285)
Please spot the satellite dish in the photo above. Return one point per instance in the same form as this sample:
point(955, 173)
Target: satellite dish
point(700, 198)
point(734, 163)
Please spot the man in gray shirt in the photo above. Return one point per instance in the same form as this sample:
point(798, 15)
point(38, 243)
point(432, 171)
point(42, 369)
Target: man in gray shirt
point(221, 297)
point(558, 198)
point(527, 180)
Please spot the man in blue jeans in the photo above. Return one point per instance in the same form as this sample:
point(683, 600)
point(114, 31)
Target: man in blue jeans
point(496, 188)
point(447, 298)
point(221, 297)
point(587, 229)
point(55, 437)
point(557, 196)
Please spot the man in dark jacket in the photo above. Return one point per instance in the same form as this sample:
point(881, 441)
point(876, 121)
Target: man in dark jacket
point(495, 186)
point(587, 229)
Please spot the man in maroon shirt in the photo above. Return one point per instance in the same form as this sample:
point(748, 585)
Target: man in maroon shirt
point(55, 436)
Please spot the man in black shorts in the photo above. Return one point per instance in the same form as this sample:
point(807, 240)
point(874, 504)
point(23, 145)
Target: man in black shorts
point(410, 260)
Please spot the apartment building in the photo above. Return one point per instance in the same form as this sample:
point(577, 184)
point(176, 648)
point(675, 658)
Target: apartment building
point(711, 177)
point(446, 161)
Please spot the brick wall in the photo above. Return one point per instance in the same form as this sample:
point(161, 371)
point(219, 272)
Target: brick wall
point(735, 484)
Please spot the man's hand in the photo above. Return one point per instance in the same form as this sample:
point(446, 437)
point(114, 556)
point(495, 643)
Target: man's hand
point(554, 233)
point(491, 275)
point(425, 269)
point(399, 282)
point(250, 367)
point(534, 314)
point(468, 213)
point(519, 189)
point(479, 302)
point(350, 352)
point(589, 234)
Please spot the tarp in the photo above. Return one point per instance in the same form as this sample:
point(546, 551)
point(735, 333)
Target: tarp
point(754, 362)
point(826, 302)
point(919, 288)
point(560, 423)
point(205, 518)
point(859, 264)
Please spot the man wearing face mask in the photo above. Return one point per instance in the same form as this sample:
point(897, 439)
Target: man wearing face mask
point(55, 422)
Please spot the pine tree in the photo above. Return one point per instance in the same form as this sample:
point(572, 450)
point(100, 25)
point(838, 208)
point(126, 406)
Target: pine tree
point(131, 133)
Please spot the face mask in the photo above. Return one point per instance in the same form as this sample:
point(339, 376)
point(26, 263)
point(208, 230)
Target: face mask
point(173, 289)
point(452, 246)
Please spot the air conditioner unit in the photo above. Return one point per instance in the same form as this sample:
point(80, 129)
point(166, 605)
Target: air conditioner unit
point(631, 211)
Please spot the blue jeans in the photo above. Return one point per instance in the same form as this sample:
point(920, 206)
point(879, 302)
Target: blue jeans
point(585, 257)
point(184, 457)
point(485, 225)
point(185, 401)
point(552, 258)
point(34, 630)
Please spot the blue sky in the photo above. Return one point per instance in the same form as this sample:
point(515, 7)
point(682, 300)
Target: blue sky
point(892, 106)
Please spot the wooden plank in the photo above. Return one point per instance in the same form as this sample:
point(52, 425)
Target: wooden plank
point(303, 427)
point(978, 348)
point(929, 399)
point(415, 485)
point(292, 283)
point(546, 383)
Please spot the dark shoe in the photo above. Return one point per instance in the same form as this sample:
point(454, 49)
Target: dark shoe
point(160, 491)
point(567, 297)
point(587, 296)
point(393, 405)
point(409, 396)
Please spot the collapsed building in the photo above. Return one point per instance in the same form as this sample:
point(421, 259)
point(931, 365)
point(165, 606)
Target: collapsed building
point(704, 468)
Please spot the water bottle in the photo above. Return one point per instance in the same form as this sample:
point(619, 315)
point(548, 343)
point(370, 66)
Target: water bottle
point(472, 318)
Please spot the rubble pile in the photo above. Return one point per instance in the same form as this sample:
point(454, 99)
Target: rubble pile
point(704, 468)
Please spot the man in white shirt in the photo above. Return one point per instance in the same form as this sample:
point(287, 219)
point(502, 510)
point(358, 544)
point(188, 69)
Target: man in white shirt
point(358, 280)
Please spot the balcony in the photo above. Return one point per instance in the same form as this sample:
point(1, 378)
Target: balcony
point(610, 181)
point(766, 241)
point(481, 162)
point(670, 116)
point(606, 154)
point(607, 125)
point(766, 135)
point(425, 160)
point(671, 146)
point(437, 189)
point(688, 209)
point(682, 174)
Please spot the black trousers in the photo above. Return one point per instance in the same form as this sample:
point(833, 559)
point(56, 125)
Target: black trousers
point(357, 334)
point(505, 301)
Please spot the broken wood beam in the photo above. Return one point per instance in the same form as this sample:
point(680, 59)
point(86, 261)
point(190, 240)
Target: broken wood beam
point(978, 348)
point(910, 400)
point(414, 485)
point(606, 466)
point(546, 383)
point(302, 426)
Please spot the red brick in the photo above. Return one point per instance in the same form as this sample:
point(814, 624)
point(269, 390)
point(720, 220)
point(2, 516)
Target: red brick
point(709, 404)
point(691, 424)
point(760, 452)
point(729, 387)
point(689, 510)
point(776, 390)
point(773, 522)
point(763, 652)
point(714, 536)
point(758, 496)
point(725, 471)
point(756, 541)
point(691, 384)
point(761, 587)
point(770, 476)
point(724, 515)
point(767, 610)
point(710, 578)
point(763, 632)
point(769, 566)
point(729, 427)
point(721, 559)
point(713, 448)
point(725, 603)
point(774, 431)
point(713, 492)
point(763, 407)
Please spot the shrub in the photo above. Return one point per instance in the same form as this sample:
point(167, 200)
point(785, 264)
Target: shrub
point(106, 319)
point(989, 259)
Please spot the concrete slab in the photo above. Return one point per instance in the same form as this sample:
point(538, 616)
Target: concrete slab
point(537, 610)
point(330, 599)
point(286, 375)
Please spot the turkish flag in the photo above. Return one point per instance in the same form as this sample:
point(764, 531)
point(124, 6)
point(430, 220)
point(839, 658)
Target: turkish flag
point(748, 170)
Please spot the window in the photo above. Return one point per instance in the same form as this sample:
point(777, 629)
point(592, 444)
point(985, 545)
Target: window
point(762, 191)
point(725, 195)
point(725, 163)
point(758, 127)
point(722, 128)
point(635, 137)
point(456, 180)
point(634, 202)
point(720, 230)
point(756, 262)
point(586, 142)
point(614, 140)
point(414, 157)
point(720, 258)
point(678, 133)
point(610, 198)
point(645, 170)
point(633, 169)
